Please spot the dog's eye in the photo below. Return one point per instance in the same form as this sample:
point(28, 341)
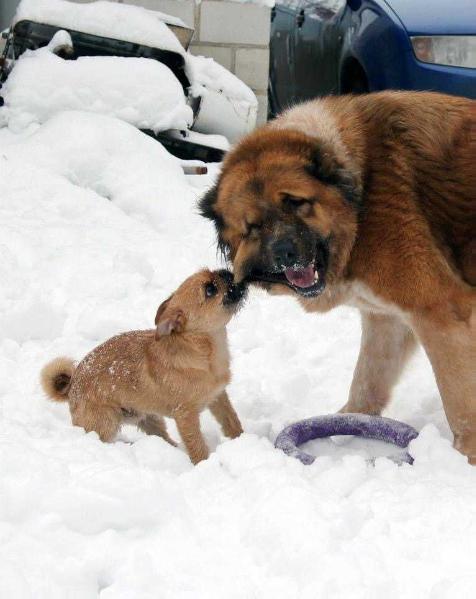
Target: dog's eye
point(210, 290)
point(252, 227)
point(295, 202)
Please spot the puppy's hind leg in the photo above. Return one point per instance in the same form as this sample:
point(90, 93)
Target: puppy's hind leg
point(155, 425)
point(385, 347)
point(223, 411)
point(104, 420)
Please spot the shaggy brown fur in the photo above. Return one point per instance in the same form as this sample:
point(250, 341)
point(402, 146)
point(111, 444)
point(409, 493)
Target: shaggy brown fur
point(377, 194)
point(176, 370)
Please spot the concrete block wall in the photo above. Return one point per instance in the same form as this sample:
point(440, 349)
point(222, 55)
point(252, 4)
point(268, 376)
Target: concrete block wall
point(235, 35)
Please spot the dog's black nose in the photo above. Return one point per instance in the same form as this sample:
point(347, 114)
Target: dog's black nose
point(234, 294)
point(284, 252)
point(226, 275)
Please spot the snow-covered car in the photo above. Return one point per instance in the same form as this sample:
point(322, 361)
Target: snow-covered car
point(124, 61)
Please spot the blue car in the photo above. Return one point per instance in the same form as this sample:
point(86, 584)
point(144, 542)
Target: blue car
point(321, 47)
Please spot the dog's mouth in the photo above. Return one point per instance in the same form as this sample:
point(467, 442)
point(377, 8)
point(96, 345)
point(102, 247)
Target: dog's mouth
point(302, 278)
point(306, 281)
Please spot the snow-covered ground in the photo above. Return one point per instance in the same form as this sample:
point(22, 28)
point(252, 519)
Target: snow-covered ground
point(97, 226)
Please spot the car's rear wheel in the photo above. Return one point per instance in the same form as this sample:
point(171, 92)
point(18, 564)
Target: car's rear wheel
point(354, 80)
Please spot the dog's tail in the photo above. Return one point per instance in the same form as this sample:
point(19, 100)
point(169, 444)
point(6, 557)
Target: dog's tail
point(55, 378)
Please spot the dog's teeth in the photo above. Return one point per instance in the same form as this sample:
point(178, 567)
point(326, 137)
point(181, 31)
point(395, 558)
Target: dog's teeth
point(316, 276)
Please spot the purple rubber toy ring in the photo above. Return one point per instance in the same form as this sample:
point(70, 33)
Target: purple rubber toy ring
point(360, 425)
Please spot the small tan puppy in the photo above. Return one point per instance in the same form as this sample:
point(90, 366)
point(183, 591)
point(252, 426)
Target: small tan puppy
point(177, 370)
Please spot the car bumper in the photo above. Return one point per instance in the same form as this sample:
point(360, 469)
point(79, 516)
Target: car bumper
point(415, 75)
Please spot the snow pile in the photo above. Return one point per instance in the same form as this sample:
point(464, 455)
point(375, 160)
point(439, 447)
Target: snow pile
point(330, 5)
point(205, 73)
point(114, 160)
point(120, 188)
point(227, 104)
point(109, 19)
point(97, 226)
point(268, 3)
point(140, 91)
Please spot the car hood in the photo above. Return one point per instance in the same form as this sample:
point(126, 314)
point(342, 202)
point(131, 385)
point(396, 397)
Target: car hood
point(436, 17)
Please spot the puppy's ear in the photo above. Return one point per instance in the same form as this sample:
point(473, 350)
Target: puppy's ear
point(169, 320)
point(162, 309)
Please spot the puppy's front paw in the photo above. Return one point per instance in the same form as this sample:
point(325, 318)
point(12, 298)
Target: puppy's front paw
point(233, 430)
point(198, 456)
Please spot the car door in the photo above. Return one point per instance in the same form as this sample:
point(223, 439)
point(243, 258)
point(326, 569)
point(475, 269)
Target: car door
point(317, 45)
point(282, 47)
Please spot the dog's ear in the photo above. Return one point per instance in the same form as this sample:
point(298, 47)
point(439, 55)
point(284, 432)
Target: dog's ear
point(325, 167)
point(208, 210)
point(207, 202)
point(169, 320)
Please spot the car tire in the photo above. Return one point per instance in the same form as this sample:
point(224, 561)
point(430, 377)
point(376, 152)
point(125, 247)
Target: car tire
point(354, 80)
point(359, 85)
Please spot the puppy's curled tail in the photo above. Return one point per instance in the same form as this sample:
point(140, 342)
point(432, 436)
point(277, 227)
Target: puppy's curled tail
point(55, 378)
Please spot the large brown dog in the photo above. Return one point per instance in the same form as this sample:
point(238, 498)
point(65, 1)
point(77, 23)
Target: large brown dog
point(370, 201)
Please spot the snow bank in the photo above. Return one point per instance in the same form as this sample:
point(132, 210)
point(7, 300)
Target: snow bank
point(206, 73)
point(140, 91)
point(109, 19)
point(97, 226)
point(227, 104)
point(268, 3)
point(113, 159)
point(331, 5)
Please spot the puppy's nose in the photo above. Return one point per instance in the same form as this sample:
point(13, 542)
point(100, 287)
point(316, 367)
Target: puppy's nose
point(284, 252)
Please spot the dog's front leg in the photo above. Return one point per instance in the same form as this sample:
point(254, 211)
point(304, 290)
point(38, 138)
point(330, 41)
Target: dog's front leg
point(226, 416)
point(188, 426)
point(386, 344)
point(451, 347)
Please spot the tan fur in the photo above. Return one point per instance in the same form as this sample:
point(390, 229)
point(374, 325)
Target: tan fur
point(55, 378)
point(400, 217)
point(386, 346)
point(177, 371)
